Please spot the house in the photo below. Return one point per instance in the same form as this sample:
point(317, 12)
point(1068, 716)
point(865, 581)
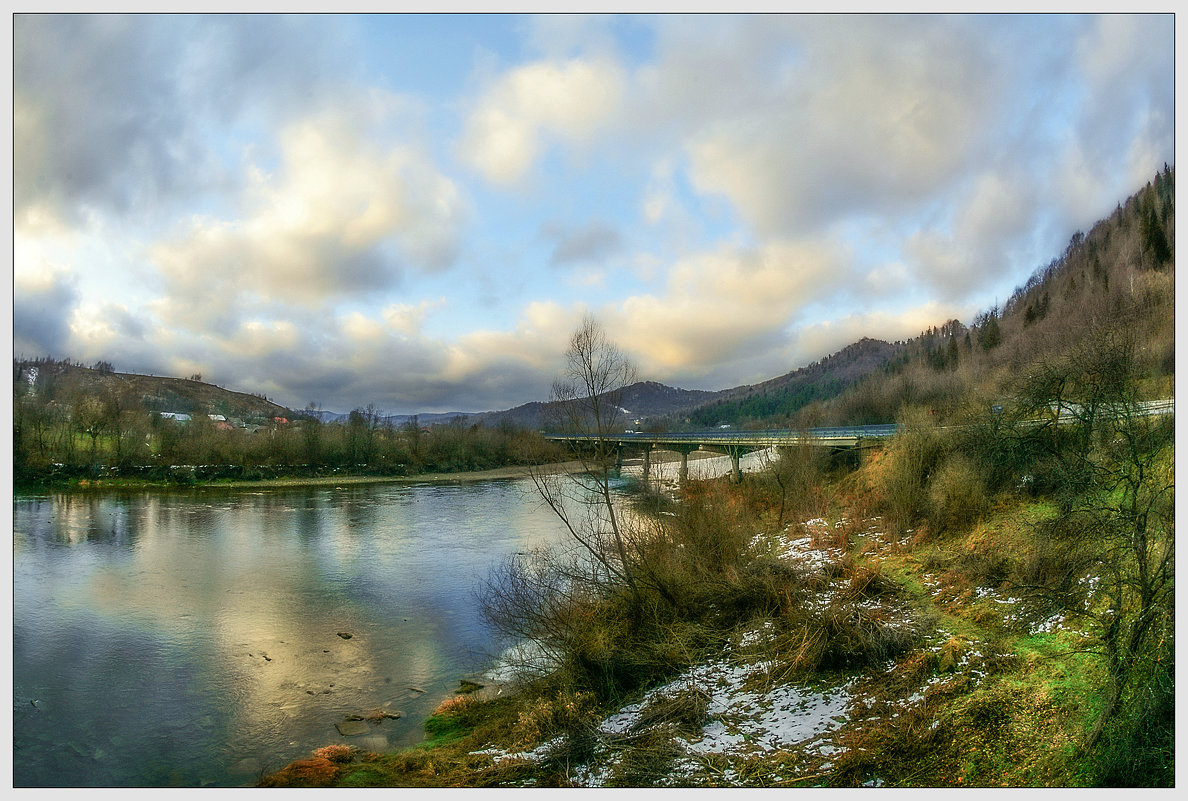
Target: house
point(178, 416)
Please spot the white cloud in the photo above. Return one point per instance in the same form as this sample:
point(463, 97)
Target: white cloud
point(112, 113)
point(873, 116)
point(406, 319)
point(996, 213)
point(726, 304)
point(1123, 130)
point(570, 100)
point(345, 213)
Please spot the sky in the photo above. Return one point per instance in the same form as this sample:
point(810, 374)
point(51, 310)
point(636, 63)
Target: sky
point(416, 211)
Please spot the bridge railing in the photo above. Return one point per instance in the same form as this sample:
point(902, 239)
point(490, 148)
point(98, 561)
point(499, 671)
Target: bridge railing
point(766, 438)
point(839, 434)
point(823, 436)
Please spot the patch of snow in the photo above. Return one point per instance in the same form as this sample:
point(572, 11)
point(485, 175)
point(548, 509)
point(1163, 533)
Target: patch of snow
point(1053, 623)
point(537, 754)
point(741, 720)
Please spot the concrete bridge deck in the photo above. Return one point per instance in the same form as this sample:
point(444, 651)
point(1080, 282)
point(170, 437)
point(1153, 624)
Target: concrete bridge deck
point(841, 437)
point(732, 443)
point(735, 443)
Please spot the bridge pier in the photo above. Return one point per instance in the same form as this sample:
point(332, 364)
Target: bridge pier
point(684, 451)
point(735, 467)
point(647, 462)
point(734, 444)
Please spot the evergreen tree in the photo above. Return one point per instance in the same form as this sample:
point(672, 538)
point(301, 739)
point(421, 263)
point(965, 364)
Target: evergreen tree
point(1154, 240)
point(989, 335)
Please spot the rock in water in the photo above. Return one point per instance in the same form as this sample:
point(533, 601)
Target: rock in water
point(346, 635)
point(375, 743)
point(468, 687)
point(351, 728)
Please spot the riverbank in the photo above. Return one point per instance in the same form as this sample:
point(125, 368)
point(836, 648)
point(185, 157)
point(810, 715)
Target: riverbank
point(344, 479)
point(888, 657)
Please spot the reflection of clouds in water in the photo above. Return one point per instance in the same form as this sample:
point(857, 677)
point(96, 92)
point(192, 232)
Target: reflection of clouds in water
point(279, 574)
point(213, 582)
point(276, 579)
point(243, 588)
point(142, 622)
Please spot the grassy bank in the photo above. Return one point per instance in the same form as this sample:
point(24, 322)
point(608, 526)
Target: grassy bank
point(184, 477)
point(284, 481)
point(904, 621)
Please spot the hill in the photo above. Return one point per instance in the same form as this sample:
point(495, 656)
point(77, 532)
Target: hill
point(773, 402)
point(1119, 276)
point(67, 383)
point(644, 403)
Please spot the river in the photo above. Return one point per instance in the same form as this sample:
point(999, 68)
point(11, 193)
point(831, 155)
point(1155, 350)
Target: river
point(197, 638)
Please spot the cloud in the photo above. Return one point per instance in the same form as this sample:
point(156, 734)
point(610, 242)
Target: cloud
point(344, 214)
point(593, 242)
point(41, 311)
point(873, 116)
point(997, 212)
point(111, 113)
point(512, 121)
point(1125, 127)
point(352, 359)
point(726, 305)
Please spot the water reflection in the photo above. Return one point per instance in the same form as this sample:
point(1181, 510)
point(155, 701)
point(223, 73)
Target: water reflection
point(194, 638)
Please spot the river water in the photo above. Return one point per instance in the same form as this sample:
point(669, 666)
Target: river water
point(194, 638)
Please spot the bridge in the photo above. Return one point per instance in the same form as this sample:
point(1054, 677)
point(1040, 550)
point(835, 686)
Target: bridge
point(732, 443)
point(737, 443)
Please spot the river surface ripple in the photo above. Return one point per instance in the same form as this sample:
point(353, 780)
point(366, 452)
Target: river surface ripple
point(195, 638)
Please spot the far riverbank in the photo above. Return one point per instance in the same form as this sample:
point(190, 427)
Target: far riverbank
point(493, 474)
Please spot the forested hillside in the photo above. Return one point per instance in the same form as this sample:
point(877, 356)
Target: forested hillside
point(1119, 276)
point(774, 402)
point(73, 423)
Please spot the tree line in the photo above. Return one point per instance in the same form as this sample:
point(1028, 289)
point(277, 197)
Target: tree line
point(65, 434)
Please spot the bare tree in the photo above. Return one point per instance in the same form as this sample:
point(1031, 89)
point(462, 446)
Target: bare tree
point(796, 472)
point(1110, 467)
point(587, 395)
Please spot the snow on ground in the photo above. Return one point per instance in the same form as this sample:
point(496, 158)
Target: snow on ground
point(745, 714)
point(795, 544)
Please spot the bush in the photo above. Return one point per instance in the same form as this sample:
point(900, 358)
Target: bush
point(1140, 750)
point(695, 578)
point(956, 494)
point(904, 472)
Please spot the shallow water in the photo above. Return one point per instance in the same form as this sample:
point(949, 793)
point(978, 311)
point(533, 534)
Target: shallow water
point(192, 638)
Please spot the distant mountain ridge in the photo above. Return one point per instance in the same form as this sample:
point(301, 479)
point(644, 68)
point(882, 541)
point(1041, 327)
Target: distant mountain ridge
point(397, 420)
point(642, 402)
